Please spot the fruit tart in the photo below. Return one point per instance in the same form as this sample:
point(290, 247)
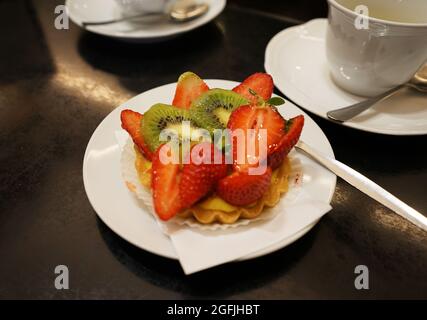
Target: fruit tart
point(214, 155)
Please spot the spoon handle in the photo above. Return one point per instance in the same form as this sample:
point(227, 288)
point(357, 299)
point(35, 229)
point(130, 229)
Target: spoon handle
point(367, 186)
point(99, 23)
point(347, 113)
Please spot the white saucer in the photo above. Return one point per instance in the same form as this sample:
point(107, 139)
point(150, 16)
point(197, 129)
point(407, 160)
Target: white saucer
point(100, 10)
point(296, 59)
point(119, 209)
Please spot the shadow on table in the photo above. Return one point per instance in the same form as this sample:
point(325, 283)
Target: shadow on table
point(22, 37)
point(142, 66)
point(381, 154)
point(221, 281)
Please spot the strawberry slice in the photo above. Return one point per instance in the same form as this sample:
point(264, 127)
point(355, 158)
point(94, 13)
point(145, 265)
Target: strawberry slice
point(188, 89)
point(201, 174)
point(289, 140)
point(175, 189)
point(255, 118)
point(259, 83)
point(241, 189)
point(131, 122)
point(164, 184)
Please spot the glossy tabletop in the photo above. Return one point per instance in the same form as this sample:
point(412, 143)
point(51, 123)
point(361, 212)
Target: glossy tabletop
point(56, 86)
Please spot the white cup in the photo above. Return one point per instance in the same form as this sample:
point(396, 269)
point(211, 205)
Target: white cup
point(130, 7)
point(388, 53)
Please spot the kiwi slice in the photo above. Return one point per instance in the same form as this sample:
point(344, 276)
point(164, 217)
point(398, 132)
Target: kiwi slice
point(165, 117)
point(213, 108)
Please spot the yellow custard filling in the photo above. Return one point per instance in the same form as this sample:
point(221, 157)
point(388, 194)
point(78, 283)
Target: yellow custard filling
point(214, 209)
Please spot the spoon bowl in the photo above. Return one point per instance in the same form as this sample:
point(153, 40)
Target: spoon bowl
point(419, 81)
point(186, 13)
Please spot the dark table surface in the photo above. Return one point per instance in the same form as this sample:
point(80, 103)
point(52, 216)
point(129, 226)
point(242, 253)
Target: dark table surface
point(57, 86)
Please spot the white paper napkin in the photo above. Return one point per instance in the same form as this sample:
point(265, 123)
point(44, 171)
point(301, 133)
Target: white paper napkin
point(199, 250)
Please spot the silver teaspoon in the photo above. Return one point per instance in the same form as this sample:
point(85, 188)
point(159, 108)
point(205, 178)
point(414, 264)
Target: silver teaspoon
point(418, 82)
point(177, 14)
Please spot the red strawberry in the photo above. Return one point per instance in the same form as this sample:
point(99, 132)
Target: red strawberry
point(175, 189)
point(261, 83)
point(289, 140)
point(256, 118)
point(189, 88)
point(131, 122)
point(200, 176)
point(164, 184)
point(241, 189)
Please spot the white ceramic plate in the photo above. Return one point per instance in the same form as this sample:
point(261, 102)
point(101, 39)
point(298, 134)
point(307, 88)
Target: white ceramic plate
point(296, 59)
point(100, 10)
point(119, 209)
